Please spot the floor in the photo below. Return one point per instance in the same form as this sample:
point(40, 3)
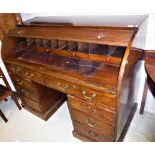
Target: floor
point(23, 126)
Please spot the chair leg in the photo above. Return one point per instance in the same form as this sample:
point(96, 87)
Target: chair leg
point(144, 98)
point(6, 100)
point(3, 116)
point(16, 101)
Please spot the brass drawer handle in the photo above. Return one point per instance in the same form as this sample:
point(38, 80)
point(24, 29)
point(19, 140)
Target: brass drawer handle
point(101, 35)
point(88, 97)
point(62, 88)
point(92, 133)
point(93, 125)
point(29, 75)
point(15, 70)
point(19, 82)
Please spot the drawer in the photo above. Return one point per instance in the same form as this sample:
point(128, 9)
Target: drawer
point(90, 133)
point(25, 72)
point(91, 122)
point(25, 87)
point(34, 105)
point(32, 75)
point(89, 108)
point(99, 98)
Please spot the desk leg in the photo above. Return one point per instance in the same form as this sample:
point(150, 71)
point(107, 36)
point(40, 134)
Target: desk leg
point(144, 98)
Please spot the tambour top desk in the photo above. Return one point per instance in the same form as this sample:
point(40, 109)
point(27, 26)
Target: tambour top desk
point(93, 68)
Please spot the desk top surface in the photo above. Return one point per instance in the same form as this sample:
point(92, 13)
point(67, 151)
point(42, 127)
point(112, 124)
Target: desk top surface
point(88, 72)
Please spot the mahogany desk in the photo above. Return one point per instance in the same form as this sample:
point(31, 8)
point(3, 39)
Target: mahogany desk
point(93, 68)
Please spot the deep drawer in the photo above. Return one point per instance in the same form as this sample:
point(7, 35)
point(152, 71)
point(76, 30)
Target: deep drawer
point(89, 108)
point(90, 133)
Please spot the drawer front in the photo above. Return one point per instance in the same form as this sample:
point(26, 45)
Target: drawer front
point(25, 88)
point(25, 72)
point(89, 108)
point(32, 75)
point(91, 122)
point(99, 98)
point(32, 104)
point(90, 133)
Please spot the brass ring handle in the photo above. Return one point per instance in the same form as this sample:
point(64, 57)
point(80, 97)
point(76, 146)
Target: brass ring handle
point(62, 88)
point(88, 97)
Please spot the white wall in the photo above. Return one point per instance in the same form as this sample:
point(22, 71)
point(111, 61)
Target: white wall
point(94, 20)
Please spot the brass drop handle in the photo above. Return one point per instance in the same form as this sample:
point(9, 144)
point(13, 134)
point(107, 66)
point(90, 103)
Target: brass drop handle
point(62, 88)
point(88, 97)
point(29, 75)
point(15, 70)
point(93, 125)
point(92, 133)
point(19, 82)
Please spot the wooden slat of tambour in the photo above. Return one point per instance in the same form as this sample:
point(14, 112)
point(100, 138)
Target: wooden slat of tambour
point(81, 34)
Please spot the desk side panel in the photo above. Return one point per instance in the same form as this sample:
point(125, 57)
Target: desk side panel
point(128, 91)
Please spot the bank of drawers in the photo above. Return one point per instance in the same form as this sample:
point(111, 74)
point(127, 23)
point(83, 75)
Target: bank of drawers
point(92, 112)
point(90, 109)
point(93, 118)
point(23, 80)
